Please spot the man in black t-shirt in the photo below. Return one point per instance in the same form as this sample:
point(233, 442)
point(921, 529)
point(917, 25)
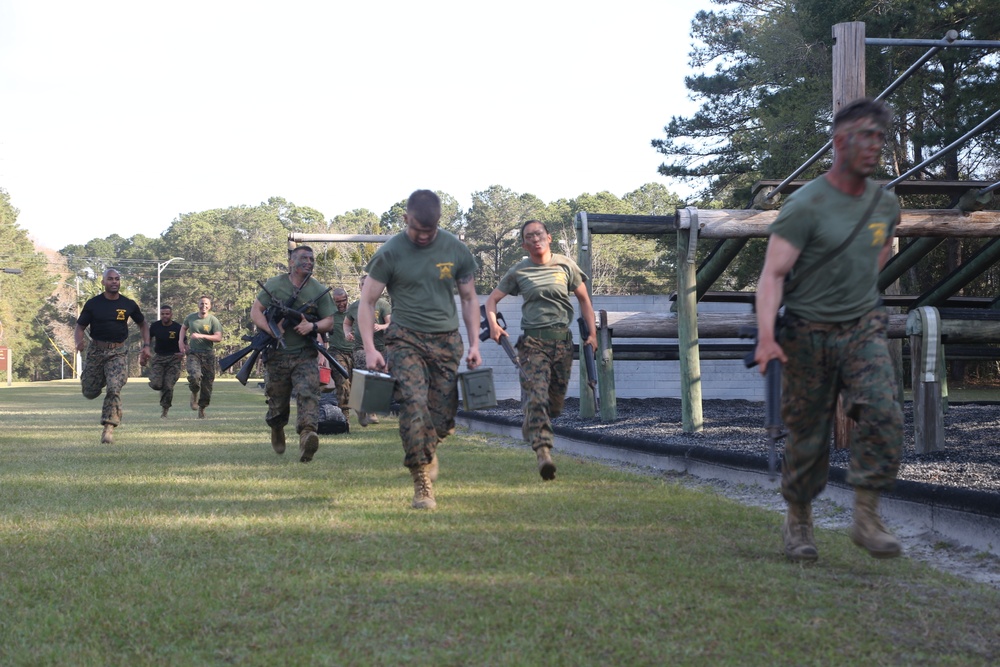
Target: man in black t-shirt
point(106, 363)
point(165, 366)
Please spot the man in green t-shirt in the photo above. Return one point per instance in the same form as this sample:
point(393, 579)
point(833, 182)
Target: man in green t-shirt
point(292, 368)
point(421, 267)
point(383, 318)
point(342, 349)
point(199, 334)
point(833, 337)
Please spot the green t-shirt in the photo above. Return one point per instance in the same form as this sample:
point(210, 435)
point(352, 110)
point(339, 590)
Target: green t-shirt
point(421, 280)
point(282, 289)
point(382, 311)
point(816, 219)
point(202, 325)
point(337, 339)
point(546, 289)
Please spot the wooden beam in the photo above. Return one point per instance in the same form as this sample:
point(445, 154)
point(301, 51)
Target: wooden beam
point(903, 188)
point(951, 223)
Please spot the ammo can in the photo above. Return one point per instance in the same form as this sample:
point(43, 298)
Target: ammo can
point(371, 391)
point(477, 389)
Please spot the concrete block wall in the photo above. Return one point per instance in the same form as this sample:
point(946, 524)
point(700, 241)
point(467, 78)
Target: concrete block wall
point(721, 379)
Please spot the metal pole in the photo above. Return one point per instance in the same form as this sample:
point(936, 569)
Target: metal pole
point(948, 40)
point(159, 270)
point(944, 151)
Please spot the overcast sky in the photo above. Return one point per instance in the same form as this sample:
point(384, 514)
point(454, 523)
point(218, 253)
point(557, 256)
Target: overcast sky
point(117, 116)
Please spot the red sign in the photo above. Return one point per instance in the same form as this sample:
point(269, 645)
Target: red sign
point(3, 356)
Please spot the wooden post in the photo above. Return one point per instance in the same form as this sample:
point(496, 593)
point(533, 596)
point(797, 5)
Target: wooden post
point(606, 371)
point(687, 334)
point(928, 421)
point(585, 261)
point(848, 85)
point(848, 63)
point(923, 325)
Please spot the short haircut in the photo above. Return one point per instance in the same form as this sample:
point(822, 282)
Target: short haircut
point(111, 269)
point(339, 291)
point(425, 206)
point(865, 107)
point(205, 296)
point(299, 248)
point(166, 307)
point(531, 222)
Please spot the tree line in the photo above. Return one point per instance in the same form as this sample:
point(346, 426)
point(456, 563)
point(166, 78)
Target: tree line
point(224, 252)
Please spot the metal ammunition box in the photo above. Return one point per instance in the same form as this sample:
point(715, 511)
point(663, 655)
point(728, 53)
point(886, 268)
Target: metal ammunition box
point(477, 389)
point(370, 391)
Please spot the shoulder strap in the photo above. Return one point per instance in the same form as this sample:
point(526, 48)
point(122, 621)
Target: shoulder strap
point(793, 283)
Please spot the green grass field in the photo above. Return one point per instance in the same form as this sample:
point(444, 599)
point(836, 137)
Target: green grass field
point(189, 542)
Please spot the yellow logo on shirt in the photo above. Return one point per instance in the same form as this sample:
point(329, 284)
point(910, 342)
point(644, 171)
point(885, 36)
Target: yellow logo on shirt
point(559, 277)
point(121, 314)
point(445, 269)
point(173, 335)
point(205, 328)
point(878, 233)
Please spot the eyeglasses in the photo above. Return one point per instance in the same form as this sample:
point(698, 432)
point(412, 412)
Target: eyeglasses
point(534, 236)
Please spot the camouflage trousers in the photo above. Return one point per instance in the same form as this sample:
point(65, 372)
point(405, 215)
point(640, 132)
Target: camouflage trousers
point(425, 366)
point(548, 364)
point(164, 370)
point(106, 368)
point(201, 374)
point(288, 372)
point(825, 360)
point(342, 384)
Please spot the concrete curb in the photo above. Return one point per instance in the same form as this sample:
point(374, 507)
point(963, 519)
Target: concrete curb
point(970, 518)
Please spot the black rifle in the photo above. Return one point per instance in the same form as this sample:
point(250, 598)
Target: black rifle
point(258, 343)
point(292, 317)
point(262, 340)
point(272, 338)
point(772, 401)
point(484, 335)
point(587, 354)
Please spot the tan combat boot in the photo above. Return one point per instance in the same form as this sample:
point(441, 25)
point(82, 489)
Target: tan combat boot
point(108, 435)
point(372, 418)
point(194, 400)
point(278, 439)
point(423, 488)
point(797, 533)
point(546, 468)
point(308, 444)
point(163, 414)
point(868, 532)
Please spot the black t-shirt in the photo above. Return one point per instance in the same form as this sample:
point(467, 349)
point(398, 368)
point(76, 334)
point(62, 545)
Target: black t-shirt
point(166, 339)
point(108, 319)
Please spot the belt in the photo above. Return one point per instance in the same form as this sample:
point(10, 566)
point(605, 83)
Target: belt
point(106, 344)
point(553, 333)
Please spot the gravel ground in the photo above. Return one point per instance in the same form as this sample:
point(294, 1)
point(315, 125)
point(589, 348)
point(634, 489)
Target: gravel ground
point(969, 460)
